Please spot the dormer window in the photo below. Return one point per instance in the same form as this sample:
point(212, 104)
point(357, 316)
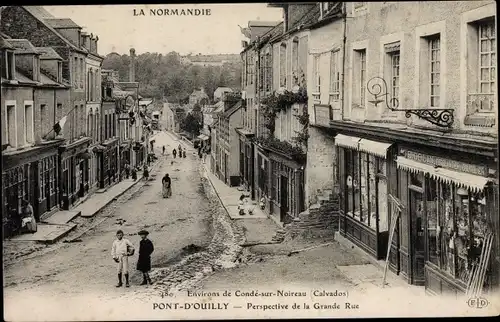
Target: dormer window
point(8, 60)
point(36, 68)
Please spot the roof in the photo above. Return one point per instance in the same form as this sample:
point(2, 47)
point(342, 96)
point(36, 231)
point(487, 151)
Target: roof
point(62, 23)
point(4, 44)
point(122, 94)
point(42, 15)
point(23, 46)
point(46, 80)
point(225, 89)
point(21, 78)
point(219, 107)
point(48, 53)
point(232, 109)
point(257, 23)
point(145, 101)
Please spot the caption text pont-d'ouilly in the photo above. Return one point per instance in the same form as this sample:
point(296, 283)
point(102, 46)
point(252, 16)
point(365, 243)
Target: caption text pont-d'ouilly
point(321, 300)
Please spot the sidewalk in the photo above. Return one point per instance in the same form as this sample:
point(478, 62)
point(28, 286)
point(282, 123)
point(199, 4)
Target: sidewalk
point(259, 228)
point(59, 224)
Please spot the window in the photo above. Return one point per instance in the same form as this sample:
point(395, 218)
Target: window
point(82, 73)
point(392, 69)
point(81, 121)
point(435, 70)
point(250, 68)
point(43, 119)
point(295, 62)
point(335, 75)
point(317, 78)
point(269, 72)
point(366, 189)
point(359, 83)
point(75, 70)
point(482, 57)
point(11, 126)
point(283, 68)
point(262, 68)
point(456, 227)
point(28, 123)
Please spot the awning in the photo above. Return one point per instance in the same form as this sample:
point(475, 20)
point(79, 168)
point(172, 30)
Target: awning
point(373, 147)
point(351, 142)
point(202, 137)
point(461, 179)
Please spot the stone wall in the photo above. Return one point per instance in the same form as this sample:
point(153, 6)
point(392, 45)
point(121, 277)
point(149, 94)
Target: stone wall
point(320, 164)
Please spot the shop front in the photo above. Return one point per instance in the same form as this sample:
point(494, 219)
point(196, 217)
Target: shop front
point(74, 178)
point(29, 175)
point(108, 163)
point(451, 207)
point(125, 148)
point(362, 179)
point(263, 175)
point(247, 157)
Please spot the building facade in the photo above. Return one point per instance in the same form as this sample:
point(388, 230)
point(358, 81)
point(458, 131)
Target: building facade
point(422, 158)
point(33, 96)
point(226, 143)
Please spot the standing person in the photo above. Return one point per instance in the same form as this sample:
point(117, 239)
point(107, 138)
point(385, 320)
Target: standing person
point(121, 250)
point(145, 173)
point(146, 248)
point(167, 186)
point(163, 152)
point(127, 170)
point(184, 154)
point(28, 221)
point(174, 152)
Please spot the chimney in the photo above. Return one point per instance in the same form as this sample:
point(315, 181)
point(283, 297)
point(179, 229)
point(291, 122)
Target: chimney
point(131, 73)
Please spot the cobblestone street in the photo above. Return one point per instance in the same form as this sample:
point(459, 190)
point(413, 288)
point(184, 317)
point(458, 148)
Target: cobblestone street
point(187, 244)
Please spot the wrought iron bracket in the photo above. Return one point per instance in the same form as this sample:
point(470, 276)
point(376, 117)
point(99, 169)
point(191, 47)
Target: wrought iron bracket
point(377, 86)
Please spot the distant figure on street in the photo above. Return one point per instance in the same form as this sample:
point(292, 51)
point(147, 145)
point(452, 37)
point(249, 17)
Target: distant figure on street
point(28, 222)
point(241, 205)
point(145, 173)
point(179, 147)
point(174, 152)
point(127, 170)
point(166, 186)
point(121, 250)
point(146, 248)
point(163, 152)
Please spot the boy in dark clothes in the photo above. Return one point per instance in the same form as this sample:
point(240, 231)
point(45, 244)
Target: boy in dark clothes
point(146, 248)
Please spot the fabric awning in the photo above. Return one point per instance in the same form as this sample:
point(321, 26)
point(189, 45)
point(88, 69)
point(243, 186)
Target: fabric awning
point(461, 179)
point(373, 147)
point(351, 142)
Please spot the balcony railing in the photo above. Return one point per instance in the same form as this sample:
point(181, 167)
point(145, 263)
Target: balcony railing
point(323, 114)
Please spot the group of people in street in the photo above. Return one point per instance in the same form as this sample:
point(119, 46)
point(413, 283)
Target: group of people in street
point(122, 249)
point(182, 153)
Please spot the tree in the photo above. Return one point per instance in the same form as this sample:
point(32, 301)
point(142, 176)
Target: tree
point(191, 125)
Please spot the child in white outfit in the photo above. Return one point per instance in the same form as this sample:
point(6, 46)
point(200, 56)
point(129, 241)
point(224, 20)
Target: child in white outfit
point(120, 251)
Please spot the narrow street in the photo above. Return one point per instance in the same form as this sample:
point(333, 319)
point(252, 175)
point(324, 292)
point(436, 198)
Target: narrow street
point(178, 226)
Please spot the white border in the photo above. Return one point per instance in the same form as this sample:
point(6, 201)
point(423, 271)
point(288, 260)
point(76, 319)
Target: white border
point(424, 31)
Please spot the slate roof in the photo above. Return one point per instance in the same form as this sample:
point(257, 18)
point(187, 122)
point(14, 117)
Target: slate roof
point(230, 111)
point(23, 46)
point(4, 44)
point(48, 53)
point(62, 23)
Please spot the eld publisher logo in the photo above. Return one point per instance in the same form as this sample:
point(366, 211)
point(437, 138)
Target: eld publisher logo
point(478, 302)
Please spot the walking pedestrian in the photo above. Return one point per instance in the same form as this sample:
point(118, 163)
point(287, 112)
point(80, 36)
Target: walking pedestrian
point(163, 150)
point(174, 152)
point(145, 173)
point(166, 186)
point(146, 248)
point(28, 222)
point(121, 250)
point(184, 154)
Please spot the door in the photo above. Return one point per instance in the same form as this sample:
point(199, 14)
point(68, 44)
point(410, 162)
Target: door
point(417, 237)
point(81, 165)
point(34, 190)
point(283, 198)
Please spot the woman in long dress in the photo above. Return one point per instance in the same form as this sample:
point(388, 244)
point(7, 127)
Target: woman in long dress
point(28, 218)
point(167, 186)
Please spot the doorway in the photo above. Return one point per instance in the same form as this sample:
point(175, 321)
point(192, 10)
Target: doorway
point(81, 164)
point(417, 237)
point(283, 198)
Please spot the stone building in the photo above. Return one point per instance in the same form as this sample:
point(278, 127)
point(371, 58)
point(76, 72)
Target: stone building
point(226, 142)
point(279, 159)
point(423, 158)
point(33, 96)
point(44, 30)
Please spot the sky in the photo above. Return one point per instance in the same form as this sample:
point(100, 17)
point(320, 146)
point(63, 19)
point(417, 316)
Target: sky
point(119, 29)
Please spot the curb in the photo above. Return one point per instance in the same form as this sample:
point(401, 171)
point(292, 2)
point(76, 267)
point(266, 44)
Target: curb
point(56, 239)
point(121, 193)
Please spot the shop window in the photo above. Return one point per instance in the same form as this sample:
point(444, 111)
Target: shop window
point(456, 227)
